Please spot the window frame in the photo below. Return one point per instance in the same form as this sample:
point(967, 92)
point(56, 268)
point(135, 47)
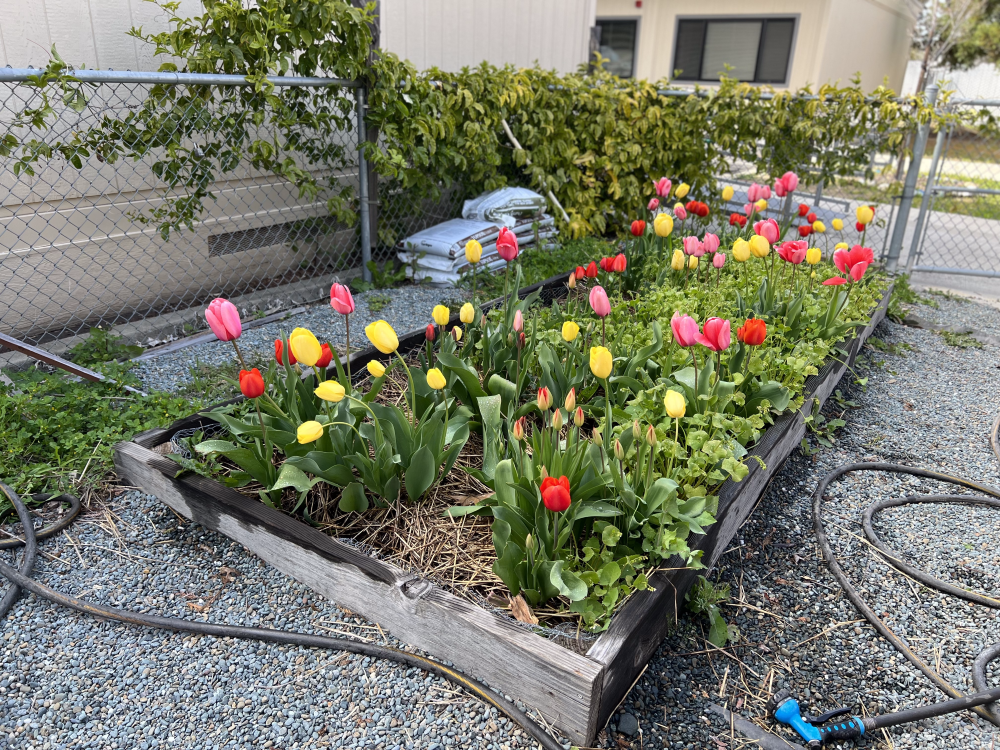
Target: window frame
point(637, 20)
point(795, 18)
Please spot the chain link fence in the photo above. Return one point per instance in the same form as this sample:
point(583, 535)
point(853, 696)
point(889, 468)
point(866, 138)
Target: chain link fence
point(82, 244)
point(959, 219)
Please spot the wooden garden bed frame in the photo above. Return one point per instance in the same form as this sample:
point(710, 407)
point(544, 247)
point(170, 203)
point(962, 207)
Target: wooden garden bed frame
point(576, 693)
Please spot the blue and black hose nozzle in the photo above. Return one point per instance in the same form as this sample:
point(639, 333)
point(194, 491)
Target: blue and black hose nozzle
point(814, 729)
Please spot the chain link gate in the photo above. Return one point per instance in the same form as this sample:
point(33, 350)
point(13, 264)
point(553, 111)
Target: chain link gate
point(959, 219)
point(75, 252)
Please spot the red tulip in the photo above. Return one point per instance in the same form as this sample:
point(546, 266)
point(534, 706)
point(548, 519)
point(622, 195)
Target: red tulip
point(805, 230)
point(717, 334)
point(591, 271)
point(277, 353)
point(251, 383)
point(737, 220)
point(579, 272)
point(224, 319)
point(599, 302)
point(430, 333)
point(555, 493)
point(859, 226)
point(845, 260)
point(858, 270)
point(811, 217)
point(341, 300)
point(606, 264)
point(507, 244)
point(752, 332)
point(619, 263)
point(638, 228)
point(325, 357)
point(803, 209)
point(835, 281)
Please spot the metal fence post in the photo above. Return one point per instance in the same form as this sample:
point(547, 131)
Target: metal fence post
point(909, 187)
point(925, 204)
point(363, 197)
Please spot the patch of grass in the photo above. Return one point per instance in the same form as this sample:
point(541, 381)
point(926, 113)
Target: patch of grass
point(378, 302)
point(961, 340)
point(904, 294)
point(945, 294)
point(882, 346)
point(214, 383)
point(102, 346)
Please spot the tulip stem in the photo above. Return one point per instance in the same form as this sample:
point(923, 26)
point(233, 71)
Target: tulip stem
point(347, 361)
point(695, 360)
point(473, 291)
point(607, 407)
point(604, 331)
point(413, 391)
point(555, 540)
point(239, 354)
point(263, 430)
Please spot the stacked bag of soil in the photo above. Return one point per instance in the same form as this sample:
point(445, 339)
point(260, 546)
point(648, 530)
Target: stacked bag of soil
point(437, 253)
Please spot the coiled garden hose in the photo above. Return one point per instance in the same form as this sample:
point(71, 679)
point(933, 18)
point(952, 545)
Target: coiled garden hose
point(990, 497)
point(21, 580)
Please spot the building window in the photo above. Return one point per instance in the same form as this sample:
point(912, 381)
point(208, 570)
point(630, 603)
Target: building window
point(616, 42)
point(756, 50)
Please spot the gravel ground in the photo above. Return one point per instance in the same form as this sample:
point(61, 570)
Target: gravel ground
point(70, 681)
point(407, 308)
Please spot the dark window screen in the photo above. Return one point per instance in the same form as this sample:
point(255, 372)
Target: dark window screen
point(756, 50)
point(617, 44)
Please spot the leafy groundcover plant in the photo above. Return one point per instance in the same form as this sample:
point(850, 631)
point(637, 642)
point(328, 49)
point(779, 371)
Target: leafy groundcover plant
point(597, 430)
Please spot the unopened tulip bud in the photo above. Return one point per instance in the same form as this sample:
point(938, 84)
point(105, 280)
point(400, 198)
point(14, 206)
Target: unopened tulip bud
point(693, 263)
point(619, 450)
point(578, 417)
point(636, 430)
point(651, 436)
point(519, 341)
point(519, 429)
point(572, 281)
point(529, 543)
point(543, 473)
point(430, 333)
point(544, 399)
point(510, 339)
point(518, 320)
point(557, 420)
point(570, 400)
point(598, 439)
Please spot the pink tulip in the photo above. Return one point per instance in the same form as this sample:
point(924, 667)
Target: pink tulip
point(653, 204)
point(748, 208)
point(663, 186)
point(717, 334)
point(711, 242)
point(790, 181)
point(719, 260)
point(794, 251)
point(680, 212)
point(768, 229)
point(693, 246)
point(599, 302)
point(858, 270)
point(341, 300)
point(765, 192)
point(685, 330)
point(835, 281)
point(845, 260)
point(507, 244)
point(518, 321)
point(224, 319)
point(754, 192)
point(779, 189)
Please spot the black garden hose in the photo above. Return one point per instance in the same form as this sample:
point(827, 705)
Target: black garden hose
point(20, 579)
point(990, 497)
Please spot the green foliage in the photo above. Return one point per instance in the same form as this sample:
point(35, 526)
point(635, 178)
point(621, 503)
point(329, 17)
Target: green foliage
point(704, 598)
point(385, 277)
point(102, 346)
point(377, 302)
point(59, 433)
point(904, 294)
point(961, 339)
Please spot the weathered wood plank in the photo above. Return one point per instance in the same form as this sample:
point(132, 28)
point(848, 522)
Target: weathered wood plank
point(560, 683)
point(640, 626)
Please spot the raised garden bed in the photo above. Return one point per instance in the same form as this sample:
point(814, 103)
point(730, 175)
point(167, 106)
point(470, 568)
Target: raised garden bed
point(578, 693)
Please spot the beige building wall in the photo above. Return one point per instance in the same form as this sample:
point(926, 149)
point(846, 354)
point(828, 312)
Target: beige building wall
point(452, 34)
point(834, 39)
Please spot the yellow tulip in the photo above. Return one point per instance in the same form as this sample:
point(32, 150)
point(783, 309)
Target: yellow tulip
point(759, 246)
point(813, 256)
point(456, 333)
point(727, 193)
point(441, 314)
point(309, 432)
point(677, 261)
point(304, 346)
point(570, 330)
point(840, 246)
point(600, 361)
point(741, 250)
point(675, 404)
point(838, 224)
point(693, 263)
point(382, 336)
point(435, 379)
point(467, 314)
point(376, 368)
point(682, 190)
point(819, 226)
point(663, 225)
point(864, 214)
point(473, 251)
point(331, 390)
point(761, 205)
